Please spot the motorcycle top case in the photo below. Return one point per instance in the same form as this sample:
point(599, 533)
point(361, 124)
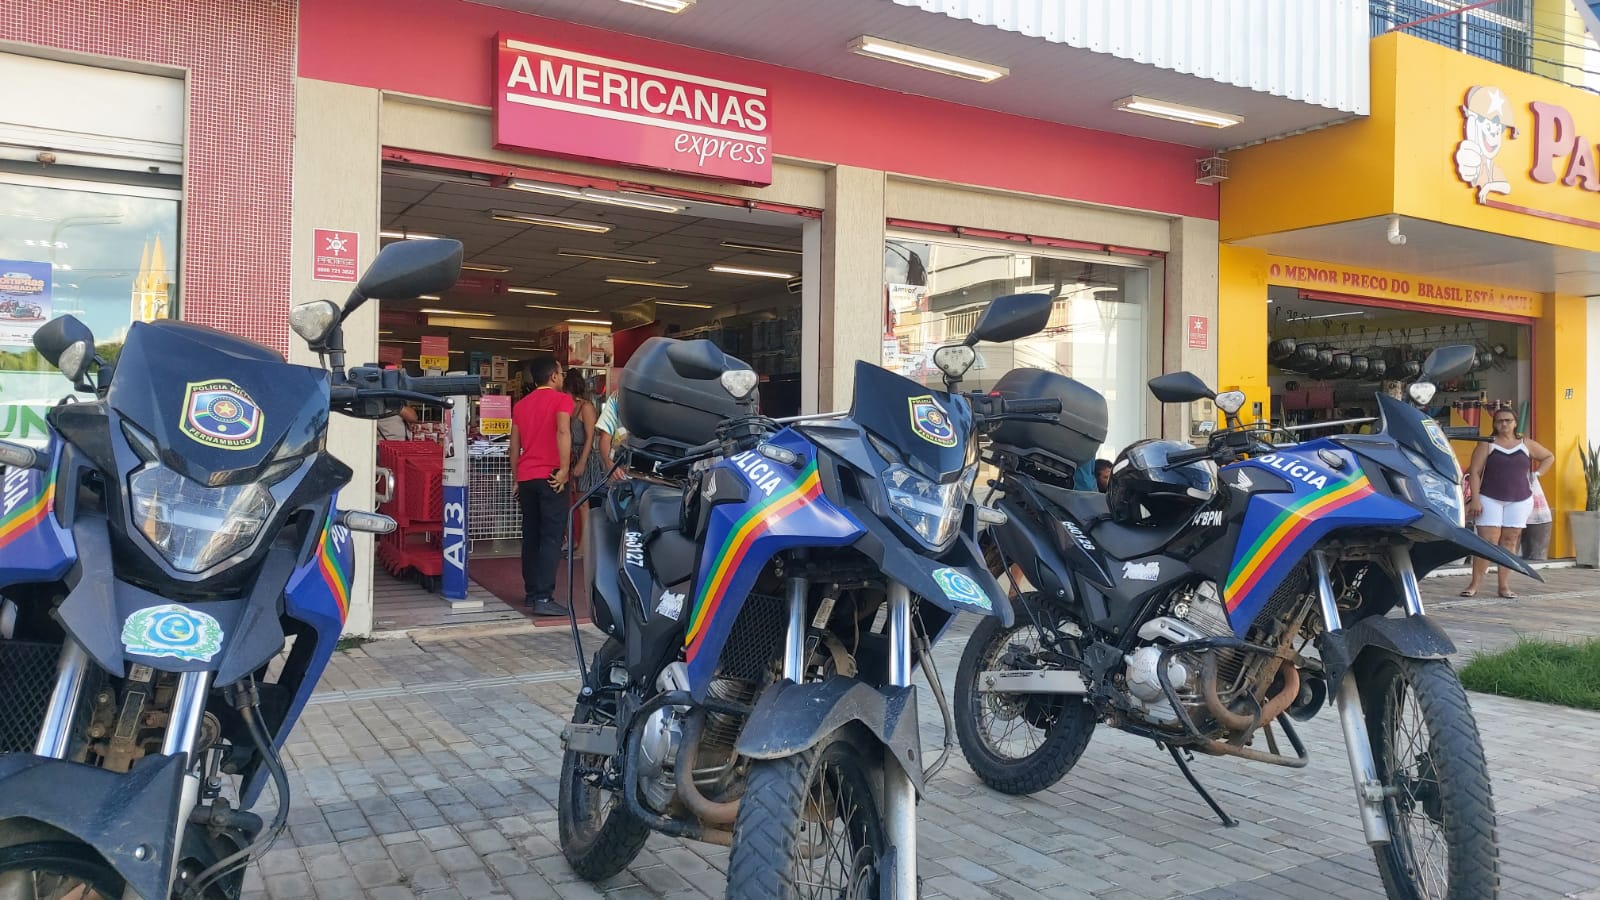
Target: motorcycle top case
point(1080, 428)
point(665, 413)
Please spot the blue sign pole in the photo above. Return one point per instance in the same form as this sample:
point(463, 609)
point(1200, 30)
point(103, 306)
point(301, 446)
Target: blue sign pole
point(455, 501)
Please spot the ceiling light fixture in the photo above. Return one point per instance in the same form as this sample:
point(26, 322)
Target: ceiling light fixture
point(641, 282)
point(593, 196)
point(538, 292)
point(931, 60)
point(484, 267)
point(758, 273)
point(605, 322)
point(683, 303)
point(609, 257)
point(759, 248)
point(427, 296)
point(560, 308)
point(666, 6)
point(1177, 112)
point(407, 235)
point(458, 312)
point(1337, 315)
point(400, 341)
point(515, 340)
point(516, 218)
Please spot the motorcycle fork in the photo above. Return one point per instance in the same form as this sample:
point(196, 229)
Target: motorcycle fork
point(183, 730)
point(899, 794)
point(1352, 718)
point(55, 733)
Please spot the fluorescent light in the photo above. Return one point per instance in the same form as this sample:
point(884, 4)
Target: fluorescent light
point(407, 235)
point(606, 322)
point(458, 312)
point(560, 308)
point(1177, 112)
point(483, 267)
point(666, 6)
point(501, 215)
point(515, 340)
point(535, 349)
point(381, 331)
point(541, 292)
point(593, 196)
point(683, 303)
point(457, 352)
point(758, 273)
point(931, 60)
point(427, 296)
point(610, 257)
point(759, 248)
point(641, 282)
point(399, 341)
point(1359, 312)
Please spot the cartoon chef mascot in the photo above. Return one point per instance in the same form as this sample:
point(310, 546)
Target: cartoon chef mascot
point(1486, 119)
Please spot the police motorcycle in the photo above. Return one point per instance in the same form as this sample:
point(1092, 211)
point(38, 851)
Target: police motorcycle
point(174, 576)
point(1215, 594)
point(767, 595)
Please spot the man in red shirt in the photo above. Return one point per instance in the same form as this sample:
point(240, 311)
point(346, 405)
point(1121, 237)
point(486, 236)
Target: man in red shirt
point(541, 447)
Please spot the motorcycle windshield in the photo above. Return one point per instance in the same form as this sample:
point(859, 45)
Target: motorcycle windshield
point(930, 429)
point(219, 407)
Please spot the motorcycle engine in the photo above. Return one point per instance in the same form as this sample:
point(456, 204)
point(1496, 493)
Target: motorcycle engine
point(662, 736)
point(1194, 614)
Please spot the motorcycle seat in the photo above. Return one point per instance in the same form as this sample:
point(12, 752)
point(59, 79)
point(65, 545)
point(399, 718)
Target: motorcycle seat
point(1124, 542)
point(660, 509)
point(1085, 507)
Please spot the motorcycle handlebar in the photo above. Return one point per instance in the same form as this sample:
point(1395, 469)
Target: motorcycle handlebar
point(444, 385)
point(1038, 406)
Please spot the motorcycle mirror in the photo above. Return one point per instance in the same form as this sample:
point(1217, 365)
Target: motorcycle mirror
point(405, 270)
point(314, 321)
point(54, 338)
point(1421, 393)
point(75, 360)
point(1010, 317)
point(955, 360)
point(1445, 363)
point(699, 360)
point(1180, 387)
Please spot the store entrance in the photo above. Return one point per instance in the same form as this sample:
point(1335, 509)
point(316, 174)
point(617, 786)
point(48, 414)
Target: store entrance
point(585, 274)
point(1329, 355)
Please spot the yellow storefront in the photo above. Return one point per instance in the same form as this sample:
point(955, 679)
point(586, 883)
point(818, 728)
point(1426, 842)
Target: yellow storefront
point(1464, 209)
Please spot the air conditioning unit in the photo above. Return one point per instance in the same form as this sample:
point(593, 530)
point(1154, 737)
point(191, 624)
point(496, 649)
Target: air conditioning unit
point(793, 285)
point(1210, 170)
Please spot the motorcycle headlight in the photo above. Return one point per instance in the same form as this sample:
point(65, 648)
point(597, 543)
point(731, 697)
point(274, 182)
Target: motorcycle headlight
point(931, 510)
point(194, 526)
point(1444, 496)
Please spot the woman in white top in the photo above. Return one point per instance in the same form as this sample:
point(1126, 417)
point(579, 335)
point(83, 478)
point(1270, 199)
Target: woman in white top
point(1501, 479)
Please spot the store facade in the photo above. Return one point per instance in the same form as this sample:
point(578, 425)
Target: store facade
point(906, 227)
point(1463, 210)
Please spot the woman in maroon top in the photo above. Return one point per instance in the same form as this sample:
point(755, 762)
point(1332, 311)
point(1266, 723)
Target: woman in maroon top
point(1501, 479)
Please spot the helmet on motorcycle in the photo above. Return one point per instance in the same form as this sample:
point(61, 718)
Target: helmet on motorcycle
point(1145, 490)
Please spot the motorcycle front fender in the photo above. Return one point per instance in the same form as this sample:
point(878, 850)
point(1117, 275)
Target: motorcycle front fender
point(790, 718)
point(128, 818)
point(1409, 637)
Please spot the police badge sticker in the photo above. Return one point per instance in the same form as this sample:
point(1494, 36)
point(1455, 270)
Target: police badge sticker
point(172, 630)
point(960, 587)
point(218, 413)
point(1437, 435)
point(931, 422)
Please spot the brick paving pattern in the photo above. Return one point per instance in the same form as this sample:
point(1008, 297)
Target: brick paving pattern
point(428, 769)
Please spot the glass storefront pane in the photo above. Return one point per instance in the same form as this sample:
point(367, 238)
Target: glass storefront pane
point(103, 253)
point(936, 290)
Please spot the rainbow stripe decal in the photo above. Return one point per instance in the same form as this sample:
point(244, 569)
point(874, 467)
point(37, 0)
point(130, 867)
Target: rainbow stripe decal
point(1253, 564)
point(756, 522)
point(24, 511)
point(334, 539)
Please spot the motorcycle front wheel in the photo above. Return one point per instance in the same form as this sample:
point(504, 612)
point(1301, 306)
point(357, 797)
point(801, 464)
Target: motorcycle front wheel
point(1440, 809)
point(1018, 743)
point(57, 869)
point(599, 837)
point(809, 826)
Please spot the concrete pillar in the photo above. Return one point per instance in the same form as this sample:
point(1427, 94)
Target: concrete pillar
point(1242, 327)
point(1560, 406)
point(851, 311)
point(1190, 290)
point(336, 184)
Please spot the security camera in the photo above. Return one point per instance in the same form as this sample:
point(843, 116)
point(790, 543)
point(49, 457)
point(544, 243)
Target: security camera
point(1395, 237)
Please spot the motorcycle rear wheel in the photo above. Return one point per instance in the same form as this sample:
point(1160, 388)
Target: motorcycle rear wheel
point(599, 837)
point(1043, 735)
point(1441, 818)
point(57, 869)
point(809, 826)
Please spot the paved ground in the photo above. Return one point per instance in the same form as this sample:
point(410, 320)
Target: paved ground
point(427, 768)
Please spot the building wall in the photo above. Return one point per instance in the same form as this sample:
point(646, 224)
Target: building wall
point(238, 57)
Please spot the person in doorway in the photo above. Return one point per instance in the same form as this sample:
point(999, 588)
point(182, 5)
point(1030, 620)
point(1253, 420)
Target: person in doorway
point(587, 471)
point(398, 426)
point(609, 435)
point(541, 451)
point(1502, 493)
point(1102, 474)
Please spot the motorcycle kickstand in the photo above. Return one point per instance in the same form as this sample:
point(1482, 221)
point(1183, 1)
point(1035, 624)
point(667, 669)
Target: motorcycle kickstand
point(1227, 820)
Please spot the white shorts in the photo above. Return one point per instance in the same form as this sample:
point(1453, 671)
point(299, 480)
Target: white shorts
point(1505, 514)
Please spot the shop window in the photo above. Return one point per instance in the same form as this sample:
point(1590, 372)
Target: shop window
point(936, 290)
point(103, 252)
